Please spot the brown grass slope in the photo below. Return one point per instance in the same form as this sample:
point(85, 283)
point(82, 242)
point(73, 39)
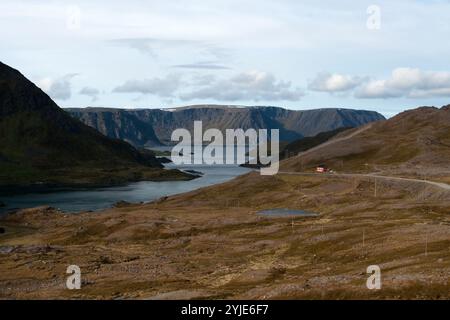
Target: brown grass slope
point(210, 243)
point(413, 143)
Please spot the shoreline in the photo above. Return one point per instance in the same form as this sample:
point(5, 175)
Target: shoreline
point(49, 191)
point(14, 190)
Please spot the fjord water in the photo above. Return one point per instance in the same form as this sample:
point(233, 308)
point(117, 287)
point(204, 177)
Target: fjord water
point(144, 191)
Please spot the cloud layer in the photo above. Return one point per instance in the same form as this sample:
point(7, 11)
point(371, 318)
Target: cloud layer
point(156, 47)
point(252, 85)
point(292, 40)
point(264, 86)
point(408, 82)
point(90, 92)
point(327, 82)
point(249, 86)
point(59, 88)
point(202, 65)
point(403, 83)
point(165, 87)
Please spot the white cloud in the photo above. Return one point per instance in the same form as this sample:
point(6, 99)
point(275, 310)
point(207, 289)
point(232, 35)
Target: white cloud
point(163, 87)
point(202, 65)
point(157, 47)
point(408, 82)
point(90, 92)
point(59, 88)
point(327, 82)
point(44, 84)
point(246, 86)
point(377, 89)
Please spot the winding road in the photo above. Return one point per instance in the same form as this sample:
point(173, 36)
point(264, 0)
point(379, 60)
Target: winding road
point(441, 185)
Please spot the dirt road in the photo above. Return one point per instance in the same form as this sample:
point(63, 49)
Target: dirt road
point(370, 175)
point(360, 130)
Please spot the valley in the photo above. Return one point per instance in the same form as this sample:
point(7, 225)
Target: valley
point(212, 243)
point(238, 159)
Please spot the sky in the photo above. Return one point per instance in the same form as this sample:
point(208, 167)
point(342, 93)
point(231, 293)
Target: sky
point(386, 56)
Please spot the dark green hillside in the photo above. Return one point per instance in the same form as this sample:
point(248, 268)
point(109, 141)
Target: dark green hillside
point(303, 144)
point(41, 144)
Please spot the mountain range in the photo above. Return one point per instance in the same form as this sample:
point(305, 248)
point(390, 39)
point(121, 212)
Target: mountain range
point(153, 127)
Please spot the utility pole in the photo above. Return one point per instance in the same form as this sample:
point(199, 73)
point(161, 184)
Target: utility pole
point(375, 187)
point(364, 236)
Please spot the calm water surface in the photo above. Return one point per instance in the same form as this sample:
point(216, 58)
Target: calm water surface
point(285, 212)
point(95, 199)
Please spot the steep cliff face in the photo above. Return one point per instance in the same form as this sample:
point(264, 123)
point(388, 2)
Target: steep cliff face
point(154, 126)
point(119, 124)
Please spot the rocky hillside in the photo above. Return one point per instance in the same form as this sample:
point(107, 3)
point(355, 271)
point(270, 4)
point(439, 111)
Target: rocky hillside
point(415, 141)
point(152, 127)
point(40, 143)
